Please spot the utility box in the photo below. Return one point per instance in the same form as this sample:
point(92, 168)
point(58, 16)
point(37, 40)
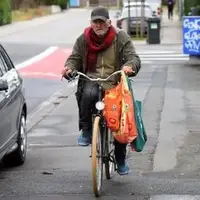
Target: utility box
point(153, 30)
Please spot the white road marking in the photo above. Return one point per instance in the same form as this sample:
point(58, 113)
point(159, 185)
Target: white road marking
point(37, 58)
point(156, 52)
point(40, 74)
point(164, 58)
point(164, 55)
point(175, 197)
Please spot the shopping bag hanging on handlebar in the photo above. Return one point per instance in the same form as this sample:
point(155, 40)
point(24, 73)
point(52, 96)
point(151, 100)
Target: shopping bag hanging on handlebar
point(119, 112)
point(139, 143)
point(128, 130)
point(112, 110)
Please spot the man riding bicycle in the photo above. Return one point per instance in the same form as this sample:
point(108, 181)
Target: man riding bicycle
point(98, 52)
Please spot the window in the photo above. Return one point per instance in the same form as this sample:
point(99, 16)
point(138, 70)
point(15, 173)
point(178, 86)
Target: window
point(136, 12)
point(2, 68)
point(6, 58)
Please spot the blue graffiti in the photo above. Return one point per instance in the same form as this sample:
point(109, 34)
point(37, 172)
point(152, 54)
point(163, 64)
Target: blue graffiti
point(192, 25)
point(191, 35)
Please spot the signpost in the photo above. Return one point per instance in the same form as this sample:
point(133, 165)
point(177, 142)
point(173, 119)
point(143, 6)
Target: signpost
point(142, 18)
point(129, 15)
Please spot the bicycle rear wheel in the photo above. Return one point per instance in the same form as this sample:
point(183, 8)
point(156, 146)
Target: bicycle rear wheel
point(109, 154)
point(97, 162)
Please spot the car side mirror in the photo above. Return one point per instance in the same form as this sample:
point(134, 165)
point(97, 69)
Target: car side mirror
point(3, 85)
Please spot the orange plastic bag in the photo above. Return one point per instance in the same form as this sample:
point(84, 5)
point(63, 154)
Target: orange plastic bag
point(112, 110)
point(127, 131)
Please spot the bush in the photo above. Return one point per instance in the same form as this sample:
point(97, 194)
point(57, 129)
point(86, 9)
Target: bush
point(61, 3)
point(5, 12)
point(198, 9)
point(164, 2)
point(188, 4)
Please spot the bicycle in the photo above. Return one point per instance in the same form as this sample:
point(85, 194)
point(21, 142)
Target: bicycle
point(102, 148)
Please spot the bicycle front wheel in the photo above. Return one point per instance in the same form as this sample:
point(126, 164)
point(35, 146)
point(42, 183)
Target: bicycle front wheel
point(97, 162)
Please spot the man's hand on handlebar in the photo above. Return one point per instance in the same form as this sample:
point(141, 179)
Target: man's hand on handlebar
point(128, 70)
point(68, 74)
point(66, 71)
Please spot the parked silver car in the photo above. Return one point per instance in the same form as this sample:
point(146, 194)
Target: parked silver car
point(13, 113)
point(135, 16)
point(156, 6)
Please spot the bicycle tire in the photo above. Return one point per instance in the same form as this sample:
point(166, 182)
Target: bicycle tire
point(96, 180)
point(109, 165)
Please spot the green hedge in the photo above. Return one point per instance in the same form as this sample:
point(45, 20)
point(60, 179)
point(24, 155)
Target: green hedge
point(164, 2)
point(5, 12)
point(61, 3)
point(188, 4)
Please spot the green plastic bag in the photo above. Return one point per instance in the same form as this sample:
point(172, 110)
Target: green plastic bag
point(138, 144)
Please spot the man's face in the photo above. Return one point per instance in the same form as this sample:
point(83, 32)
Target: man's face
point(100, 27)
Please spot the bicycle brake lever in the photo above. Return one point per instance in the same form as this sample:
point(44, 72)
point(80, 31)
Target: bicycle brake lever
point(70, 77)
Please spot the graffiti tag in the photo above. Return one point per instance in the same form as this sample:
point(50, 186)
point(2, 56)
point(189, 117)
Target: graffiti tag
point(191, 35)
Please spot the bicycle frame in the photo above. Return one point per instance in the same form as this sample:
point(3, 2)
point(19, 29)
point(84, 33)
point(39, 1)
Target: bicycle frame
point(100, 97)
point(101, 134)
point(98, 81)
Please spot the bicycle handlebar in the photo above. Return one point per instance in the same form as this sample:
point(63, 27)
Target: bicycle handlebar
point(71, 76)
point(99, 79)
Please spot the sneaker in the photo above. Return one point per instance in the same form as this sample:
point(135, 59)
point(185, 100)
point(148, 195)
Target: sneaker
point(122, 169)
point(84, 139)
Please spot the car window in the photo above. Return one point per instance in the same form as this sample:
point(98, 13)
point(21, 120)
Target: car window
point(8, 62)
point(4, 63)
point(2, 68)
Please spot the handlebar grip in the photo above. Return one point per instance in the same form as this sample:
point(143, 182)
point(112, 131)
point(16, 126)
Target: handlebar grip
point(70, 76)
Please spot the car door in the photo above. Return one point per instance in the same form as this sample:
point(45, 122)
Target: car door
point(15, 94)
point(5, 111)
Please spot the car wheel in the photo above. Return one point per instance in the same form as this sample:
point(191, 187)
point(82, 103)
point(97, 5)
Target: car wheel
point(18, 156)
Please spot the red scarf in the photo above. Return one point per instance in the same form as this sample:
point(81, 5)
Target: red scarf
point(96, 45)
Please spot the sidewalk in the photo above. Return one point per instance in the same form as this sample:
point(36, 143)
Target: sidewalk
point(171, 30)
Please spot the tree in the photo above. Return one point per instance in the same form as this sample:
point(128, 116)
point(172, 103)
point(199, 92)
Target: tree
point(5, 12)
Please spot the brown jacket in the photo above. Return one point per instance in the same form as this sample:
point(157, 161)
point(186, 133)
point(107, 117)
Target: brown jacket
point(125, 54)
point(124, 49)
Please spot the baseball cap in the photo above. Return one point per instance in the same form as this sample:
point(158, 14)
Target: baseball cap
point(100, 12)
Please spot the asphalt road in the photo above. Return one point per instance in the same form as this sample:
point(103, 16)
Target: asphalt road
point(57, 169)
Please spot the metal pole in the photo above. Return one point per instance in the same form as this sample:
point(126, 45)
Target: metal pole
point(128, 25)
point(137, 19)
point(181, 8)
point(142, 19)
